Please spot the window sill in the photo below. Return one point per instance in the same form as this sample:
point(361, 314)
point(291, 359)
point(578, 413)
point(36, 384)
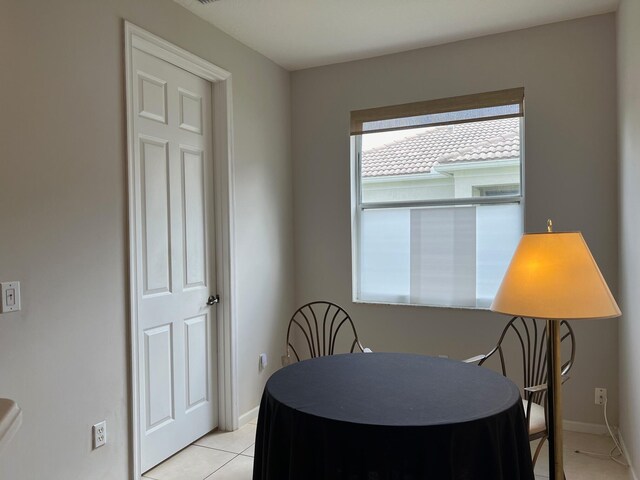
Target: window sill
point(417, 305)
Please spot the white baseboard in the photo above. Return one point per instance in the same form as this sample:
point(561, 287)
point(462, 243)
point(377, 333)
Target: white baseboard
point(632, 473)
point(248, 416)
point(582, 427)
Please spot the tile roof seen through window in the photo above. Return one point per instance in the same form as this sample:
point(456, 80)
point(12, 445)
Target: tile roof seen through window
point(460, 143)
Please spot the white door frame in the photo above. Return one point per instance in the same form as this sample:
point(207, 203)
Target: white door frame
point(224, 207)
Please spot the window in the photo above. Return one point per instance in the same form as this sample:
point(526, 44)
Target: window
point(437, 199)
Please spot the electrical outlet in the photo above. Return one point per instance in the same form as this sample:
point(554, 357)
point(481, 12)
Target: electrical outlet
point(99, 434)
point(601, 396)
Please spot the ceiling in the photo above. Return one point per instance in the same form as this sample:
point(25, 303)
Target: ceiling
point(299, 34)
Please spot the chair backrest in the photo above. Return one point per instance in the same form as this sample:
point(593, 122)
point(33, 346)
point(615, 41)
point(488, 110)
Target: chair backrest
point(317, 325)
point(530, 336)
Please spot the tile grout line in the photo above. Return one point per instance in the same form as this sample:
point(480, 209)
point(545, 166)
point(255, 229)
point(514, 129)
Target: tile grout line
point(146, 477)
point(221, 466)
point(219, 449)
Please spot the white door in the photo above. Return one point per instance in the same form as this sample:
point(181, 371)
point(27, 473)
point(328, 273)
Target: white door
point(174, 268)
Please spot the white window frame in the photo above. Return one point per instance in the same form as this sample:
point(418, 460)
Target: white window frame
point(357, 207)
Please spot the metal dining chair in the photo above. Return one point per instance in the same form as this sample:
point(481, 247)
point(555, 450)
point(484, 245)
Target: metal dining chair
point(314, 328)
point(530, 335)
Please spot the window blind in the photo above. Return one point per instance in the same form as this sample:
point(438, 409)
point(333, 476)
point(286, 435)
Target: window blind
point(443, 256)
point(467, 108)
point(454, 256)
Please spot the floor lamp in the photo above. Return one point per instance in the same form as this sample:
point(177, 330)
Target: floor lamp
point(553, 276)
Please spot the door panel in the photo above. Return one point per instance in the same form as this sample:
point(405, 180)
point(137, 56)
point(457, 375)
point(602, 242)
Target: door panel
point(159, 373)
point(194, 213)
point(152, 101)
point(174, 247)
point(197, 376)
point(190, 111)
point(154, 187)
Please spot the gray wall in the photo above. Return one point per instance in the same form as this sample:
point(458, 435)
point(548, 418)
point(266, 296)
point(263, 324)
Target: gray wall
point(629, 136)
point(568, 71)
point(63, 220)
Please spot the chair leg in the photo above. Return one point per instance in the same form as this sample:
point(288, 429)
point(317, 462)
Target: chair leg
point(538, 448)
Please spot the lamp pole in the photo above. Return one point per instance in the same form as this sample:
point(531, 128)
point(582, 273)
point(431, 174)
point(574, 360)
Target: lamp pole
point(554, 400)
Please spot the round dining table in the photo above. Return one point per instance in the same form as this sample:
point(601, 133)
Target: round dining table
point(396, 416)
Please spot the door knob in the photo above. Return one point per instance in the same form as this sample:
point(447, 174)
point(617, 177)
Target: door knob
point(213, 299)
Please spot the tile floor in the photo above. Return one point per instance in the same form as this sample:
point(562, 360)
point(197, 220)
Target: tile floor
point(583, 467)
point(229, 456)
point(216, 456)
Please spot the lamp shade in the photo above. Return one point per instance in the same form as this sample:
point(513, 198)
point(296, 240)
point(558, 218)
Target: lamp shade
point(554, 276)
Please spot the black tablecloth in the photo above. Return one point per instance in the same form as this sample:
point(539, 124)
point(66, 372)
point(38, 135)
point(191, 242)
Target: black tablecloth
point(394, 416)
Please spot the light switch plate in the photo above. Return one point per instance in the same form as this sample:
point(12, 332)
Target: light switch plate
point(263, 361)
point(10, 301)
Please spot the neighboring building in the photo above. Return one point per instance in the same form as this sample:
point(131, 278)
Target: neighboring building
point(475, 159)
